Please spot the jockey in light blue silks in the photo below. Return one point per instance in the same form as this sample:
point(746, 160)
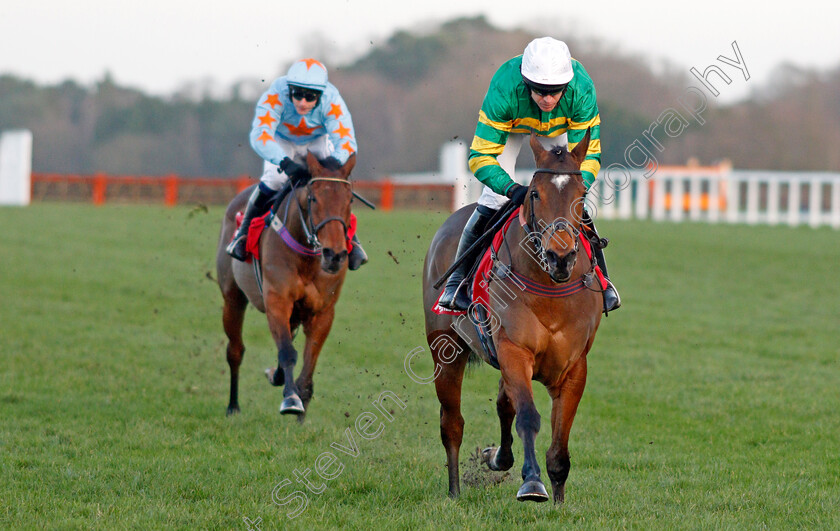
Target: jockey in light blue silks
point(299, 112)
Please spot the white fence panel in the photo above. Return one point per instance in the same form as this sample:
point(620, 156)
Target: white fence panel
point(709, 194)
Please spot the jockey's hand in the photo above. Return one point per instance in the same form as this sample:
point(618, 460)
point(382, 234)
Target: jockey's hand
point(296, 172)
point(517, 193)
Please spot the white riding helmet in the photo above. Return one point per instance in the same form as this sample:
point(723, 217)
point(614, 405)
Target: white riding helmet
point(547, 63)
point(308, 73)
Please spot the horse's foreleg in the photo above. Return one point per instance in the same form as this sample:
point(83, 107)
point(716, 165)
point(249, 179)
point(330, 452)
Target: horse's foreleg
point(316, 329)
point(501, 458)
point(565, 400)
point(278, 311)
point(448, 388)
point(517, 366)
point(233, 315)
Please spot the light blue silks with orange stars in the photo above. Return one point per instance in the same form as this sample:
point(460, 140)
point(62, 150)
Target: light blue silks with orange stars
point(276, 118)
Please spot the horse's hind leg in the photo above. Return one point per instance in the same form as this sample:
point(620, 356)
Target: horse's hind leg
point(448, 388)
point(501, 458)
point(565, 401)
point(233, 315)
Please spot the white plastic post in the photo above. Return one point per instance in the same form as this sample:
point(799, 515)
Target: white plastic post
point(453, 169)
point(658, 213)
point(607, 208)
point(835, 204)
point(695, 194)
point(733, 199)
point(814, 203)
point(677, 196)
point(713, 215)
point(642, 197)
point(16, 168)
point(773, 201)
point(794, 193)
point(752, 201)
point(624, 201)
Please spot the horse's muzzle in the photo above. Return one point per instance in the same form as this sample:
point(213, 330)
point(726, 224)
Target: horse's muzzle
point(559, 268)
point(331, 261)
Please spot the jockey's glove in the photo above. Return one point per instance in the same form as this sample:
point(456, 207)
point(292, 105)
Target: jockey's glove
point(517, 193)
point(296, 172)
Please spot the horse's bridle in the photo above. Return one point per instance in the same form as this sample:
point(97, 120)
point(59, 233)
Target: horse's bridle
point(310, 229)
point(556, 225)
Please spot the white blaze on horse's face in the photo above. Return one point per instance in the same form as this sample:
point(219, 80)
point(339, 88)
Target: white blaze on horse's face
point(560, 181)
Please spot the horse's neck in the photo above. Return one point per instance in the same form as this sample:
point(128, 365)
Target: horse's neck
point(290, 213)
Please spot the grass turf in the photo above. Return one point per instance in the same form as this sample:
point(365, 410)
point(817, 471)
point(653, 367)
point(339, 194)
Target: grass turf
point(711, 400)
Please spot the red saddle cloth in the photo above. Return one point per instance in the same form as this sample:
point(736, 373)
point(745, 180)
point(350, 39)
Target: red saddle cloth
point(479, 292)
point(479, 282)
point(258, 225)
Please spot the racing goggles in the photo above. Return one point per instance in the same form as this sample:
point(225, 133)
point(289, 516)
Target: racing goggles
point(546, 90)
point(299, 93)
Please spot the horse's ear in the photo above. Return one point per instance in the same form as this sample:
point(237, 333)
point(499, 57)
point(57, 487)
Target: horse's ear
point(315, 167)
point(538, 149)
point(348, 167)
point(579, 152)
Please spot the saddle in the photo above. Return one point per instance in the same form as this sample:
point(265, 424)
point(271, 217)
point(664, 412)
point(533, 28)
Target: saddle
point(482, 262)
point(269, 219)
point(252, 242)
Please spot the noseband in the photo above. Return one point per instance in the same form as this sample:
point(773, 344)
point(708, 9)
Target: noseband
point(556, 225)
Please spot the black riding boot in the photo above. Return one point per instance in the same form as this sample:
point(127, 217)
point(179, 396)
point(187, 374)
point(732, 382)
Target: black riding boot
point(612, 301)
point(258, 203)
point(358, 257)
point(454, 296)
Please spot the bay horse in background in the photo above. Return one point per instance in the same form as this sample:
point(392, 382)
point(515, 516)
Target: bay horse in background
point(293, 287)
point(537, 336)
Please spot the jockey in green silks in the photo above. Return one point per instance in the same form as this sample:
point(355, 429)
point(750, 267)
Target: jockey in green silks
point(543, 91)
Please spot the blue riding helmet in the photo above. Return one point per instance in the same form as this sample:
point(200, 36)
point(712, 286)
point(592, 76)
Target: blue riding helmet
point(308, 73)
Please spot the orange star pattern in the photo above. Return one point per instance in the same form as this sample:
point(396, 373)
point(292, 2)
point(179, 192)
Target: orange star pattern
point(300, 129)
point(335, 110)
point(309, 62)
point(342, 131)
point(265, 137)
point(348, 147)
point(266, 119)
point(272, 99)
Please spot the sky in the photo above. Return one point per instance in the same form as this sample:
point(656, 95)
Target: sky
point(159, 45)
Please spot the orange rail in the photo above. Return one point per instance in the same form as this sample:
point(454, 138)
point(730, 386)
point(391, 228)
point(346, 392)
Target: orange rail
point(172, 189)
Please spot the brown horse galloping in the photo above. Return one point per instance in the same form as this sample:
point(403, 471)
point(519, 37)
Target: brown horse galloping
point(537, 337)
point(299, 287)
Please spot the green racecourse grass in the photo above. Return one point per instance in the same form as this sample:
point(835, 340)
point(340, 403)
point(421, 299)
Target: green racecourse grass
point(712, 399)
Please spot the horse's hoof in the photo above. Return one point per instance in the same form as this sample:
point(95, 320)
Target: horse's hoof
point(532, 491)
point(232, 410)
point(488, 456)
point(292, 405)
point(269, 374)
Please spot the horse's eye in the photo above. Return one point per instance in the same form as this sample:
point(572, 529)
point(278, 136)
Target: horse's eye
point(314, 199)
point(535, 194)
